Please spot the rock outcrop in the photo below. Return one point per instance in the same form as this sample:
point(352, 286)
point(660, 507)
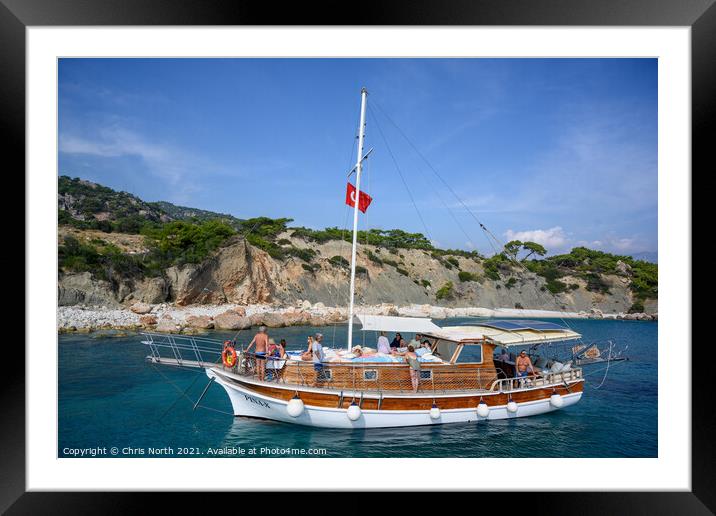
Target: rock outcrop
point(230, 320)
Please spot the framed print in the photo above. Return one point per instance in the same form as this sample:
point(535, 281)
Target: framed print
point(330, 255)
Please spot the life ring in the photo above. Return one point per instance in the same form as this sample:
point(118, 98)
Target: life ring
point(228, 356)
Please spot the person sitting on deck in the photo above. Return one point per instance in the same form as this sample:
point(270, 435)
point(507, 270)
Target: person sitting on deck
point(261, 340)
point(504, 356)
point(281, 350)
point(383, 344)
point(416, 341)
point(272, 348)
point(396, 341)
point(308, 354)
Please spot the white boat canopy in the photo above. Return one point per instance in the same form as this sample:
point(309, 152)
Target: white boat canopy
point(399, 324)
point(508, 333)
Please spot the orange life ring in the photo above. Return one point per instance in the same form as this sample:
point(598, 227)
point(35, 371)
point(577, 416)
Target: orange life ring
point(228, 356)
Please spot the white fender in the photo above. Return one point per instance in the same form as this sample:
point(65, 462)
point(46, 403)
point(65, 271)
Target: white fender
point(434, 412)
point(556, 400)
point(295, 407)
point(353, 412)
point(482, 409)
point(511, 407)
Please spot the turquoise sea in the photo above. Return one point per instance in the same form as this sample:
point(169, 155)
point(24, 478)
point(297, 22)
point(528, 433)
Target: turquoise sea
point(111, 399)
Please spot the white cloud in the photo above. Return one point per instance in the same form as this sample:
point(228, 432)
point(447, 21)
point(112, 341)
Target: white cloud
point(175, 168)
point(619, 245)
point(550, 238)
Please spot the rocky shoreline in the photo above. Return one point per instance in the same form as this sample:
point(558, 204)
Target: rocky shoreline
point(197, 318)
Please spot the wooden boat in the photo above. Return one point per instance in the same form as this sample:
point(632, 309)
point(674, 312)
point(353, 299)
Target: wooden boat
point(462, 381)
point(470, 385)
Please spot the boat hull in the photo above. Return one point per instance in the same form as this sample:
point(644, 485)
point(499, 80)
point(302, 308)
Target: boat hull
point(247, 401)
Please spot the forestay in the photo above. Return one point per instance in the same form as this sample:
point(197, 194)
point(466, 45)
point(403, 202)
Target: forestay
point(397, 324)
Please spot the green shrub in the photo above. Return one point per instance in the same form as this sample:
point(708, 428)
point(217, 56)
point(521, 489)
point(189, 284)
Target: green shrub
point(637, 307)
point(556, 286)
point(373, 258)
point(361, 270)
point(445, 292)
point(181, 242)
point(468, 276)
point(425, 283)
point(595, 283)
point(511, 282)
point(304, 254)
point(339, 261)
point(402, 271)
point(453, 261)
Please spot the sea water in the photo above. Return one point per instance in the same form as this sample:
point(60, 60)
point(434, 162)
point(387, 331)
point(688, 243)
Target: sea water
point(113, 403)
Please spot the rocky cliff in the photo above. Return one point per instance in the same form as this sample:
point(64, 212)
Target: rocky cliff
point(239, 273)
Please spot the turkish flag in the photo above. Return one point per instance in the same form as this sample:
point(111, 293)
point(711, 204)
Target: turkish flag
point(363, 202)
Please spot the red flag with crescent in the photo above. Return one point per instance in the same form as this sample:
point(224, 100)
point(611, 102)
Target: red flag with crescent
point(363, 201)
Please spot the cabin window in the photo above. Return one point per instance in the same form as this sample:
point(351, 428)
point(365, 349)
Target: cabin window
point(370, 374)
point(471, 353)
point(445, 349)
point(426, 374)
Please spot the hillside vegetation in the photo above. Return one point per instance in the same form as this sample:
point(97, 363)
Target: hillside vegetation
point(176, 237)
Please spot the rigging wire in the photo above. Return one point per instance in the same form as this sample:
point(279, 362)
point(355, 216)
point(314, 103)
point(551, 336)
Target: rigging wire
point(400, 173)
point(434, 170)
point(488, 234)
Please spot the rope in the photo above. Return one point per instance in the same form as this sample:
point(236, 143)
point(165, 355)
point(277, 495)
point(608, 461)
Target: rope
point(606, 372)
point(184, 394)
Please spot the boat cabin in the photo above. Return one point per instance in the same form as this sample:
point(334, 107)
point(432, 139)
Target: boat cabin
point(459, 358)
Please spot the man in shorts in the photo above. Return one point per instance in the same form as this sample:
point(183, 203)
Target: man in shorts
point(261, 340)
point(318, 356)
point(523, 366)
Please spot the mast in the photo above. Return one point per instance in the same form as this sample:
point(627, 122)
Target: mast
point(361, 135)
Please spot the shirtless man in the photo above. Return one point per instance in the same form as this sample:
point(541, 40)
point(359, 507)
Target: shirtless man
point(523, 365)
point(261, 340)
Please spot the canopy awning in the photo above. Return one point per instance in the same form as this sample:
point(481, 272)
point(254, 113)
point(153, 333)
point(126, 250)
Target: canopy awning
point(516, 333)
point(399, 324)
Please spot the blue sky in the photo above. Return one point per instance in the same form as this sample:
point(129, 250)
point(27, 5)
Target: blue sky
point(560, 151)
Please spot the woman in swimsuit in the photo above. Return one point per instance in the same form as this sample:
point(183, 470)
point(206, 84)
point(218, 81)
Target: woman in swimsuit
point(308, 355)
point(412, 359)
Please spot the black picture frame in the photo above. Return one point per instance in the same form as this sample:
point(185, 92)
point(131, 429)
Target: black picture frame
point(17, 15)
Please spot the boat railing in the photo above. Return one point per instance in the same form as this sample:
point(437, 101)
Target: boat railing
point(182, 350)
point(537, 380)
point(368, 377)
